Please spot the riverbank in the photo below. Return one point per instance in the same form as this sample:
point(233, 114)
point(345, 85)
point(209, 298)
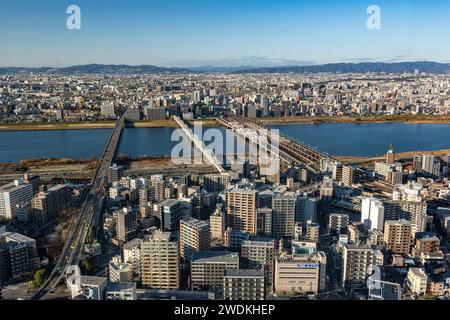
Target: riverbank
point(168, 123)
point(398, 156)
point(415, 119)
point(84, 168)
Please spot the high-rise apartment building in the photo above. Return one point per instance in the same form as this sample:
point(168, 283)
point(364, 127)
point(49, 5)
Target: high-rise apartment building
point(12, 195)
point(398, 235)
point(264, 221)
point(217, 224)
point(115, 173)
point(338, 223)
point(260, 254)
point(390, 156)
point(131, 252)
point(208, 269)
point(348, 176)
point(283, 215)
point(416, 212)
point(169, 214)
point(158, 182)
point(305, 210)
point(22, 258)
point(326, 189)
point(241, 212)
point(356, 260)
point(160, 261)
point(431, 166)
point(194, 237)
point(126, 224)
point(216, 182)
point(372, 213)
point(336, 170)
point(49, 203)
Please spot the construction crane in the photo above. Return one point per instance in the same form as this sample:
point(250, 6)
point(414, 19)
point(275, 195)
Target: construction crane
point(64, 178)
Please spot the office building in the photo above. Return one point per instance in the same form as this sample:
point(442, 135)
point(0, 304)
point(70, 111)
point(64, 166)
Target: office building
point(241, 212)
point(233, 239)
point(4, 260)
point(160, 261)
point(265, 106)
point(300, 274)
point(91, 288)
point(208, 269)
point(194, 237)
point(265, 199)
point(244, 285)
point(133, 115)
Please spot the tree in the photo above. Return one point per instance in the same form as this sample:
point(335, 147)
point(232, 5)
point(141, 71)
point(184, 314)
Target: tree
point(39, 277)
point(88, 265)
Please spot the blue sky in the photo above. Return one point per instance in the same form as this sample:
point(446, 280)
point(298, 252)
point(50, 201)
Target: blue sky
point(221, 32)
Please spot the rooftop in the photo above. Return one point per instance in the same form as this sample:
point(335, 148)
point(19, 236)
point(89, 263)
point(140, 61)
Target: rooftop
point(93, 281)
point(215, 256)
point(244, 273)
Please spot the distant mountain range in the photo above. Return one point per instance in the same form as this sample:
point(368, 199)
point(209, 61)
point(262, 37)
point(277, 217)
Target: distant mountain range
point(363, 67)
point(96, 69)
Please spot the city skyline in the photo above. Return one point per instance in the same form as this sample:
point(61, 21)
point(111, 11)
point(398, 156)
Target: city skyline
point(221, 33)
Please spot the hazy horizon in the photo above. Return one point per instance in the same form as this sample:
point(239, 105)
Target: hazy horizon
point(221, 33)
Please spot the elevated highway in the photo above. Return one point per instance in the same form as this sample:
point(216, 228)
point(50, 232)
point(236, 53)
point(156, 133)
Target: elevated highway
point(86, 217)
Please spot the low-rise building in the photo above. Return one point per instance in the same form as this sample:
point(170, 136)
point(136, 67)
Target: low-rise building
point(417, 281)
point(244, 285)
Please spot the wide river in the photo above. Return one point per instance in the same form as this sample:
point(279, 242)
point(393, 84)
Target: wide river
point(349, 139)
